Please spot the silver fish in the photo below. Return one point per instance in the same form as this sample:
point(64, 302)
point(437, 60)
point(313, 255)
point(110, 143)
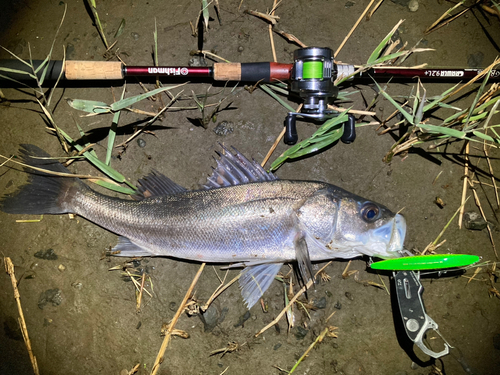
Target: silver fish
point(242, 215)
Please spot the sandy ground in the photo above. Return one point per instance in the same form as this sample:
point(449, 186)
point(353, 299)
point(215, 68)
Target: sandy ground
point(96, 329)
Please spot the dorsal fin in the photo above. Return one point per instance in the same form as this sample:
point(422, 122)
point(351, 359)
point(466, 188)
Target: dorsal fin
point(156, 184)
point(235, 169)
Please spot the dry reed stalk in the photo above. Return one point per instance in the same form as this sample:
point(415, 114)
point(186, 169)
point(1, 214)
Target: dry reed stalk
point(9, 268)
point(139, 297)
point(353, 28)
point(479, 76)
point(391, 116)
point(270, 28)
point(278, 140)
point(478, 204)
point(370, 13)
point(431, 27)
point(464, 188)
point(170, 329)
point(292, 301)
point(290, 37)
point(218, 291)
point(353, 111)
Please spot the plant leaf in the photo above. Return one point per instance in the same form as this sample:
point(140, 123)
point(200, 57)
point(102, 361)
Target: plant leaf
point(376, 53)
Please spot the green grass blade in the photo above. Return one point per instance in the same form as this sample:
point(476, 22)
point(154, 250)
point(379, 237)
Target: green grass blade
point(15, 56)
point(323, 137)
point(120, 28)
point(376, 53)
point(117, 188)
point(279, 89)
point(406, 115)
point(437, 100)
point(90, 106)
point(84, 138)
point(317, 146)
point(124, 103)
point(486, 105)
point(267, 89)
point(485, 136)
point(49, 56)
point(442, 130)
point(108, 171)
point(476, 99)
point(206, 15)
point(17, 71)
point(112, 132)
point(420, 111)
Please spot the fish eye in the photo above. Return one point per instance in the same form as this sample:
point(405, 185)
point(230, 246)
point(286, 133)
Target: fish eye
point(370, 212)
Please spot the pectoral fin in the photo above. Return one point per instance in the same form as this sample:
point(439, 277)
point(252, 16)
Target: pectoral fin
point(255, 280)
point(303, 259)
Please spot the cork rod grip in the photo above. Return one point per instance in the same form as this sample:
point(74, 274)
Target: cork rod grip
point(227, 71)
point(93, 70)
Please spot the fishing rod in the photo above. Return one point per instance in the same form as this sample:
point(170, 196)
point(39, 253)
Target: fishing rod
point(311, 76)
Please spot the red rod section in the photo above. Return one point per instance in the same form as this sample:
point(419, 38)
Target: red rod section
point(180, 71)
point(434, 74)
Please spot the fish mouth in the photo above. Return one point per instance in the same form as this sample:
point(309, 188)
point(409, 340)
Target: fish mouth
point(392, 236)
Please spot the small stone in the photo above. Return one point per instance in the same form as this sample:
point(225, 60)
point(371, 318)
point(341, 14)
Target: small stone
point(475, 60)
point(301, 333)
point(349, 4)
point(242, 319)
point(210, 318)
point(224, 128)
point(223, 314)
point(61, 267)
point(197, 61)
point(338, 305)
point(328, 294)
point(53, 296)
point(141, 142)
point(47, 254)
point(413, 5)
point(134, 35)
point(47, 322)
point(70, 51)
point(277, 346)
point(319, 303)
point(172, 306)
point(335, 345)
point(349, 296)
point(240, 49)
point(474, 221)
point(77, 285)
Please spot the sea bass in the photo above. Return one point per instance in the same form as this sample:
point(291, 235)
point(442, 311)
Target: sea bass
point(242, 215)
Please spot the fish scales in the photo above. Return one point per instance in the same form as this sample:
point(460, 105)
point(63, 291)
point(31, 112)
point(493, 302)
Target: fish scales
point(239, 223)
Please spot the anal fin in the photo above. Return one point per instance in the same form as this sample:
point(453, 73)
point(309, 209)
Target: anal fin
point(255, 280)
point(126, 248)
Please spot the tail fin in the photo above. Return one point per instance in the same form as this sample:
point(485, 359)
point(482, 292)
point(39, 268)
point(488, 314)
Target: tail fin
point(45, 193)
